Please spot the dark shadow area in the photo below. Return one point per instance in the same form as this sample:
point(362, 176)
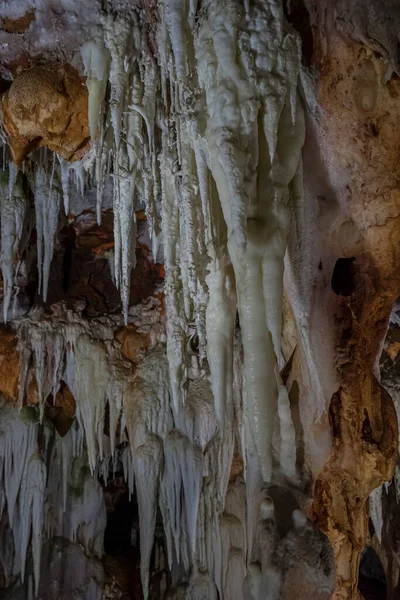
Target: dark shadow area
point(372, 579)
point(299, 17)
point(121, 513)
point(294, 396)
point(344, 276)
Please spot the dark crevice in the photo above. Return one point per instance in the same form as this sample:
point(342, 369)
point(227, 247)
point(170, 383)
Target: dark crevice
point(69, 245)
point(299, 17)
point(120, 519)
point(294, 397)
point(372, 579)
point(5, 85)
point(367, 435)
point(334, 415)
point(344, 276)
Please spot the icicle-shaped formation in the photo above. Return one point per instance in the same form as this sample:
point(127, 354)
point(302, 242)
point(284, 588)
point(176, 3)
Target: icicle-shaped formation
point(39, 501)
point(66, 170)
point(132, 114)
point(117, 31)
point(47, 206)
point(23, 478)
point(230, 129)
point(47, 348)
point(375, 511)
point(31, 512)
point(12, 212)
point(92, 377)
point(64, 350)
point(181, 486)
point(147, 464)
point(96, 61)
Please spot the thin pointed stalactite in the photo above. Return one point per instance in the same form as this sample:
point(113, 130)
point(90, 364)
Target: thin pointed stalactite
point(47, 205)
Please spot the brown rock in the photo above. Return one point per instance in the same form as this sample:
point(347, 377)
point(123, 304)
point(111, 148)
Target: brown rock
point(133, 343)
point(32, 394)
point(361, 140)
point(237, 467)
point(62, 411)
point(9, 364)
point(18, 25)
point(65, 401)
point(47, 106)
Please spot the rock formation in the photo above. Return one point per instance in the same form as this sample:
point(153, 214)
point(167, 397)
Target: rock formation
point(199, 212)
point(46, 106)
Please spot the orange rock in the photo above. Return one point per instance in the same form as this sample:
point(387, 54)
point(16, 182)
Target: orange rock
point(47, 106)
point(393, 349)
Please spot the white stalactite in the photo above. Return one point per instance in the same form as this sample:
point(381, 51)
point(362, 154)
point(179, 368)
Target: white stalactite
point(47, 205)
point(147, 464)
point(31, 513)
point(12, 213)
point(92, 378)
point(375, 511)
point(96, 61)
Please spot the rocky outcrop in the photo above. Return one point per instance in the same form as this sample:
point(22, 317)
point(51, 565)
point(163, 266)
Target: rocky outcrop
point(358, 197)
point(47, 106)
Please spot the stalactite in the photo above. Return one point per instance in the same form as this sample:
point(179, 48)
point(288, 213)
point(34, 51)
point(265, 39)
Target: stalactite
point(205, 118)
point(12, 211)
point(47, 204)
point(96, 62)
point(147, 465)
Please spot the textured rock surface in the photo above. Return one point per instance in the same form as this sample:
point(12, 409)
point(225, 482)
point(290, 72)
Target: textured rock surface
point(359, 199)
point(47, 106)
point(18, 25)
